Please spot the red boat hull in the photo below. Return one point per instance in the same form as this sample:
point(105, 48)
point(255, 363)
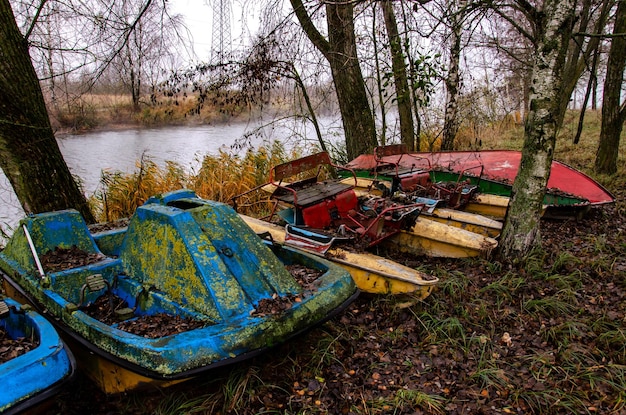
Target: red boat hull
point(498, 165)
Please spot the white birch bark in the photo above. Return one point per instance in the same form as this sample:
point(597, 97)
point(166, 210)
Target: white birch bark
point(521, 229)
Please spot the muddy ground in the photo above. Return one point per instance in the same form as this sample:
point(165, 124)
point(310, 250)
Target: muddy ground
point(547, 337)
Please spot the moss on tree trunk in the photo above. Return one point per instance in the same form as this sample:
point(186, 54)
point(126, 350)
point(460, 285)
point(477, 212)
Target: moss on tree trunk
point(29, 154)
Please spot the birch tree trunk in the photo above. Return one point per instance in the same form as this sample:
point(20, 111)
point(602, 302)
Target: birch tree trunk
point(453, 82)
point(29, 154)
point(520, 233)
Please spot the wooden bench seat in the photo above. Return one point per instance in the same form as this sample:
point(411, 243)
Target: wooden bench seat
point(313, 193)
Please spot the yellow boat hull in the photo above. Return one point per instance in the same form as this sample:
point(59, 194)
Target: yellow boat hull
point(493, 206)
point(431, 238)
point(111, 378)
point(472, 222)
point(371, 273)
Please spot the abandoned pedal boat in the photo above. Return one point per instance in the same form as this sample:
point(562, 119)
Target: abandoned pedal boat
point(196, 261)
point(312, 206)
point(32, 378)
point(371, 273)
point(472, 222)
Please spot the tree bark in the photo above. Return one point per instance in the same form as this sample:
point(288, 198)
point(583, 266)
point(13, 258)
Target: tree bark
point(453, 81)
point(613, 116)
point(340, 51)
point(398, 65)
point(580, 53)
point(30, 156)
point(379, 82)
point(520, 233)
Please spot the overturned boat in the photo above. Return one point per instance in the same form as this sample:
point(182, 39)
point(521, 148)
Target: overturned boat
point(192, 263)
point(569, 192)
point(32, 378)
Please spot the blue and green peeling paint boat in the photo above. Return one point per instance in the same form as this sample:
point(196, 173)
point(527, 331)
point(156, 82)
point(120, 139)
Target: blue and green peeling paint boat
point(179, 256)
point(32, 378)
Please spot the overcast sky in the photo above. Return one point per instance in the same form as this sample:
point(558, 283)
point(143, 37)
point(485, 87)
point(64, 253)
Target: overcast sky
point(198, 16)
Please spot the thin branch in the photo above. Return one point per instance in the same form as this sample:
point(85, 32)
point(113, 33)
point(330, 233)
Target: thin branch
point(35, 18)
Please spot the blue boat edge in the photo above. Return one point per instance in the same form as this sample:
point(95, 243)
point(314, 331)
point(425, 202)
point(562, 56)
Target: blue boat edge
point(34, 378)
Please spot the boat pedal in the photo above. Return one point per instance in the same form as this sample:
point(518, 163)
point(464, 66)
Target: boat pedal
point(125, 313)
point(95, 282)
point(4, 309)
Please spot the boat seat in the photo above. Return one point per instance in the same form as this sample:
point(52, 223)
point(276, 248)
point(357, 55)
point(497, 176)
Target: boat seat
point(310, 184)
point(314, 193)
point(65, 229)
point(318, 203)
point(405, 178)
point(60, 229)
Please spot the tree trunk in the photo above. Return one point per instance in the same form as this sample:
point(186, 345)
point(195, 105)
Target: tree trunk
point(580, 52)
point(403, 94)
point(379, 82)
point(590, 83)
point(520, 233)
point(453, 81)
point(612, 116)
point(30, 155)
point(340, 51)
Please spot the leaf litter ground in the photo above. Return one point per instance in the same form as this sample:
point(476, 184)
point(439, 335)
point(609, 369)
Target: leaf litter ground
point(548, 337)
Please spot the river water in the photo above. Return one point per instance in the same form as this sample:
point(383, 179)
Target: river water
point(87, 155)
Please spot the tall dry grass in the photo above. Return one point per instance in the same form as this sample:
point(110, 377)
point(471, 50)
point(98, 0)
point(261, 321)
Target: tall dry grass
point(90, 111)
point(220, 177)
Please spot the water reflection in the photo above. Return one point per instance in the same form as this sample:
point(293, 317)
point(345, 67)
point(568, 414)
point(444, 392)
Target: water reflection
point(87, 155)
